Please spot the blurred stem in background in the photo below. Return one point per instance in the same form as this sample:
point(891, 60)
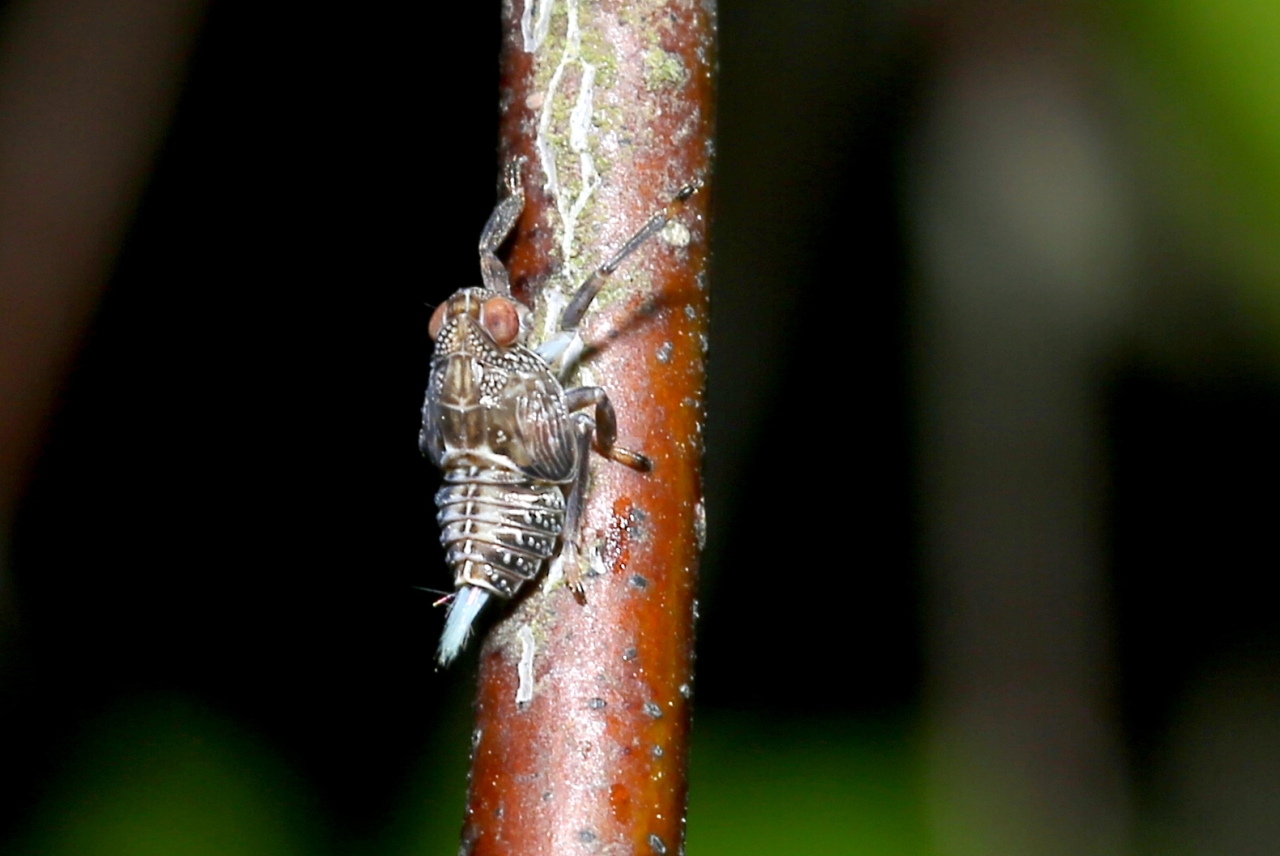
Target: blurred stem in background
point(1048, 253)
point(1024, 237)
point(86, 91)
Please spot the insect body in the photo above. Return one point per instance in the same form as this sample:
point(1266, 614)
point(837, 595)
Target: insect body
point(510, 439)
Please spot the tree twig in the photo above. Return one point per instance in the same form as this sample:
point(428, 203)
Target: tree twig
point(582, 711)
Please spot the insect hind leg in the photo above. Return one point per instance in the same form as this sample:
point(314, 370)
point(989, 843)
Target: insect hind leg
point(568, 560)
point(603, 429)
point(606, 427)
point(499, 226)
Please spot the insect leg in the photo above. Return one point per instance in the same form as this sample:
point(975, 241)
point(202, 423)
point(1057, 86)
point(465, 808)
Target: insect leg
point(587, 292)
point(501, 222)
point(606, 426)
point(583, 427)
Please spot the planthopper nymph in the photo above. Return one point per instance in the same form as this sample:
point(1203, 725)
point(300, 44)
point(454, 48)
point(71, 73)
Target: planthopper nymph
point(512, 441)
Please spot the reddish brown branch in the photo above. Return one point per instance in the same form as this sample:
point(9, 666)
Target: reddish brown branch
point(594, 760)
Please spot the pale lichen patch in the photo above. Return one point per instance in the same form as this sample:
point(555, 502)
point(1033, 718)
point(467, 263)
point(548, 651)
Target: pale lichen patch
point(676, 234)
point(524, 669)
point(663, 70)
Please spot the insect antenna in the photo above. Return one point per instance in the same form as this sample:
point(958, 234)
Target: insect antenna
point(588, 290)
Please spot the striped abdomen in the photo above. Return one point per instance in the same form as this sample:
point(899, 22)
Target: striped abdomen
point(497, 526)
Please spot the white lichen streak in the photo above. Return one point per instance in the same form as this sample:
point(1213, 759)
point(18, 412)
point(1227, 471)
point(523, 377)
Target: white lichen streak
point(568, 206)
point(579, 125)
point(553, 303)
point(524, 669)
point(535, 23)
point(555, 572)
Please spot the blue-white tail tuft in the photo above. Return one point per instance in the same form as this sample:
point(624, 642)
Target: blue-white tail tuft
point(458, 621)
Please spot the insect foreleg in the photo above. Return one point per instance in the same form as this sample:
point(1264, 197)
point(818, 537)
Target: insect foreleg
point(501, 222)
point(587, 292)
point(606, 426)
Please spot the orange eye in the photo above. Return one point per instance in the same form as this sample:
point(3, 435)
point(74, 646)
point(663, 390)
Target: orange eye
point(437, 321)
point(500, 320)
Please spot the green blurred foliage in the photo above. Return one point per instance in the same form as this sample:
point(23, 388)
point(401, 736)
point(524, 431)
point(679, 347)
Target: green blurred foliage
point(757, 786)
point(809, 788)
point(160, 776)
point(429, 819)
point(1208, 107)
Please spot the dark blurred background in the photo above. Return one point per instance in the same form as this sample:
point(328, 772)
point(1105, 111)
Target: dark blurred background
point(990, 468)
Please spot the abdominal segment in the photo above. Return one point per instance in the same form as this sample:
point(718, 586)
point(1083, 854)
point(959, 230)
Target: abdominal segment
point(497, 527)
